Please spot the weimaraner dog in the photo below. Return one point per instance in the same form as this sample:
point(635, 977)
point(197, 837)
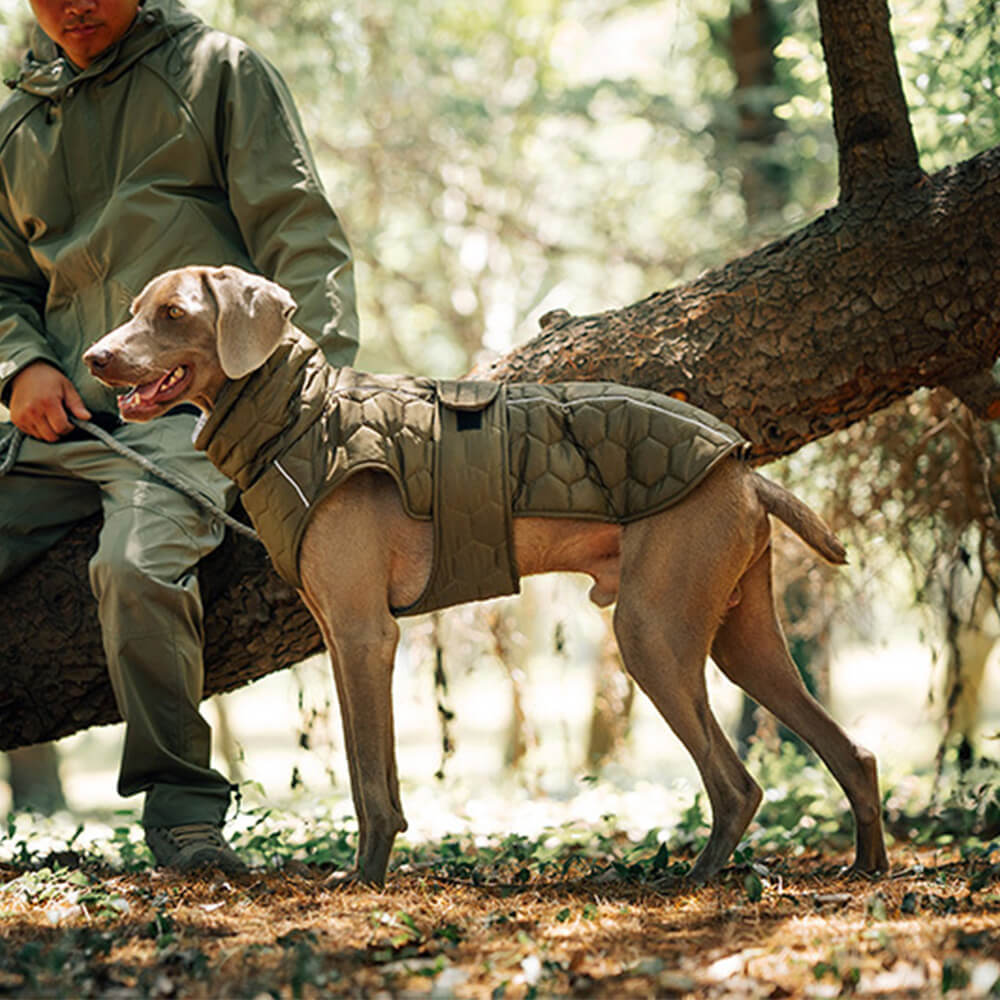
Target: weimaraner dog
point(690, 581)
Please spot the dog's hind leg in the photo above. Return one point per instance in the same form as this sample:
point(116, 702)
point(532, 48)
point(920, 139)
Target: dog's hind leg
point(750, 649)
point(674, 680)
point(665, 645)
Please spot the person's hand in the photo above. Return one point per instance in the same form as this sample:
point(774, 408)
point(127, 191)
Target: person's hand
point(41, 398)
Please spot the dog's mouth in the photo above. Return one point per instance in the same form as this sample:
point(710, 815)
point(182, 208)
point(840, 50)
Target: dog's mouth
point(145, 400)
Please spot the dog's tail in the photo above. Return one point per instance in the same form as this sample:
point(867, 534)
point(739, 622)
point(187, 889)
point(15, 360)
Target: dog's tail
point(806, 523)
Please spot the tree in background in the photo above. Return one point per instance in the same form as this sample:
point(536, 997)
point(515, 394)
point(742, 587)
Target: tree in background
point(33, 776)
point(918, 479)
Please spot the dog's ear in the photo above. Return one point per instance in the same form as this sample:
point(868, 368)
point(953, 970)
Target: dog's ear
point(252, 314)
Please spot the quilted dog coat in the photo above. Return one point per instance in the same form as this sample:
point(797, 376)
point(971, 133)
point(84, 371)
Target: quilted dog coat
point(468, 455)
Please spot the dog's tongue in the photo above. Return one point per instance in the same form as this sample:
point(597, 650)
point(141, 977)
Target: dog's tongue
point(150, 389)
point(140, 394)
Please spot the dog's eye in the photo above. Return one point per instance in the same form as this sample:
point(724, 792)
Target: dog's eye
point(175, 312)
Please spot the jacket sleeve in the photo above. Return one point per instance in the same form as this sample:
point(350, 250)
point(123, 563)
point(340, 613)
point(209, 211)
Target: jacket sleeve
point(290, 229)
point(22, 305)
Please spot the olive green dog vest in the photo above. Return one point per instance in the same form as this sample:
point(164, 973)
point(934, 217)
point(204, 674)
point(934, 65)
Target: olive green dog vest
point(470, 456)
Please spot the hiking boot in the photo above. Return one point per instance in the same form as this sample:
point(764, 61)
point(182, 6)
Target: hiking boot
point(193, 846)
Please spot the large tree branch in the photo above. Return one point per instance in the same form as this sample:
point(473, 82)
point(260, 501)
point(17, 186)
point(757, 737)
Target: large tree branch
point(870, 116)
point(806, 335)
point(54, 681)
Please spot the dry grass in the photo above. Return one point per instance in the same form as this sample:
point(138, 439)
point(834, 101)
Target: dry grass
point(919, 932)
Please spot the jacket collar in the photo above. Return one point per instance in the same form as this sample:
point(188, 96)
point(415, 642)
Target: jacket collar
point(46, 72)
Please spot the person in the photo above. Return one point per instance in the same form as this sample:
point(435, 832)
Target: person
point(139, 139)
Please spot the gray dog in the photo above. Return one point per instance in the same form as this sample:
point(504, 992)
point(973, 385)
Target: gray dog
point(686, 555)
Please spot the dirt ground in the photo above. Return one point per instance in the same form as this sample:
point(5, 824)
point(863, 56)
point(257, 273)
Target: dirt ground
point(782, 928)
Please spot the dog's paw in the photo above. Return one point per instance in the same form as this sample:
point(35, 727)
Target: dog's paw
point(350, 877)
point(859, 873)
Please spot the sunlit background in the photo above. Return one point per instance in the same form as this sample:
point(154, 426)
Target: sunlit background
point(493, 161)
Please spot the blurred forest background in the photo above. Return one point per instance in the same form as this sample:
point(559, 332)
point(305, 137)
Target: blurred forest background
point(497, 160)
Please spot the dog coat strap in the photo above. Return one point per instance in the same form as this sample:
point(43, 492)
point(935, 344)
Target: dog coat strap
point(473, 534)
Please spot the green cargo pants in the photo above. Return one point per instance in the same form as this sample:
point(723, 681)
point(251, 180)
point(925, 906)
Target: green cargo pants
point(144, 577)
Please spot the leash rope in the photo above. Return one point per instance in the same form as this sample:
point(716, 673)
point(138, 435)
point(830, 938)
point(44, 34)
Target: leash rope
point(10, 446)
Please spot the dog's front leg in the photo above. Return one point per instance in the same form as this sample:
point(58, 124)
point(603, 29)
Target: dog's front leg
point(362, 653)
point(362, 668)
point(360, 556)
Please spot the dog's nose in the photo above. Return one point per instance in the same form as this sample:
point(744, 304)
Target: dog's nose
point(97, 358)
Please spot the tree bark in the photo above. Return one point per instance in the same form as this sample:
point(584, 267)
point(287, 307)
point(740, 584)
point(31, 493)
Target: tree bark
point(33, 776)
point(753, 35)
point(892, 289)
point(54, 680)
point(870, 117)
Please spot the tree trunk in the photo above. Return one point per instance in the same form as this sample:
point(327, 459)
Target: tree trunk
point(892, 289)
point(753, 35)
point(611, 714)
point(54, 680)
point(33, 776)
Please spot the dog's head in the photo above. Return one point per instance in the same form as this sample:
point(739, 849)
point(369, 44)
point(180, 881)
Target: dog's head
point(191, 330)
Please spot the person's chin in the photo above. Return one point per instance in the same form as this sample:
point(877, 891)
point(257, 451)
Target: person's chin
point(84, 45)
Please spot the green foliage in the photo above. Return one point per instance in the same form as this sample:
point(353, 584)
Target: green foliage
point(63, 891)
point(94, 917)
point(15, 16)
point(495, 161)
point(802, 806)
point(69, 959)
point(570, 851)
point(951, 65)
point(492, 161)
point(802, 811)
point(304, 961)
point(954, 975)
point(917, 479)
point(964, 811)
point(277, 839)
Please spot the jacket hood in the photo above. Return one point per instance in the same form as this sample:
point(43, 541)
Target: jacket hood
point(46, 71)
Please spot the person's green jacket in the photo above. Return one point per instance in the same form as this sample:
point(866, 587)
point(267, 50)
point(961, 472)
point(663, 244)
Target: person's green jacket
point(180, 145)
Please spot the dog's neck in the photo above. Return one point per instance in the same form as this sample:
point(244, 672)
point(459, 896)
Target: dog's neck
point(248, 415)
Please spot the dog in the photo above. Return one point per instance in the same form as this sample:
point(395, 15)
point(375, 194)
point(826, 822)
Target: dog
point(688, 581)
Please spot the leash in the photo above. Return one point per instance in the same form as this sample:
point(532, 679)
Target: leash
point(10, 447)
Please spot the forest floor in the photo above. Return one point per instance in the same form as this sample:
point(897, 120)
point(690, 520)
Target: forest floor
point(772, 927)
point(589, 906)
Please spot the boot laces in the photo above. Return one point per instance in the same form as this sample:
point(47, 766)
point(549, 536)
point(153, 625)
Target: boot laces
point(191, 833)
